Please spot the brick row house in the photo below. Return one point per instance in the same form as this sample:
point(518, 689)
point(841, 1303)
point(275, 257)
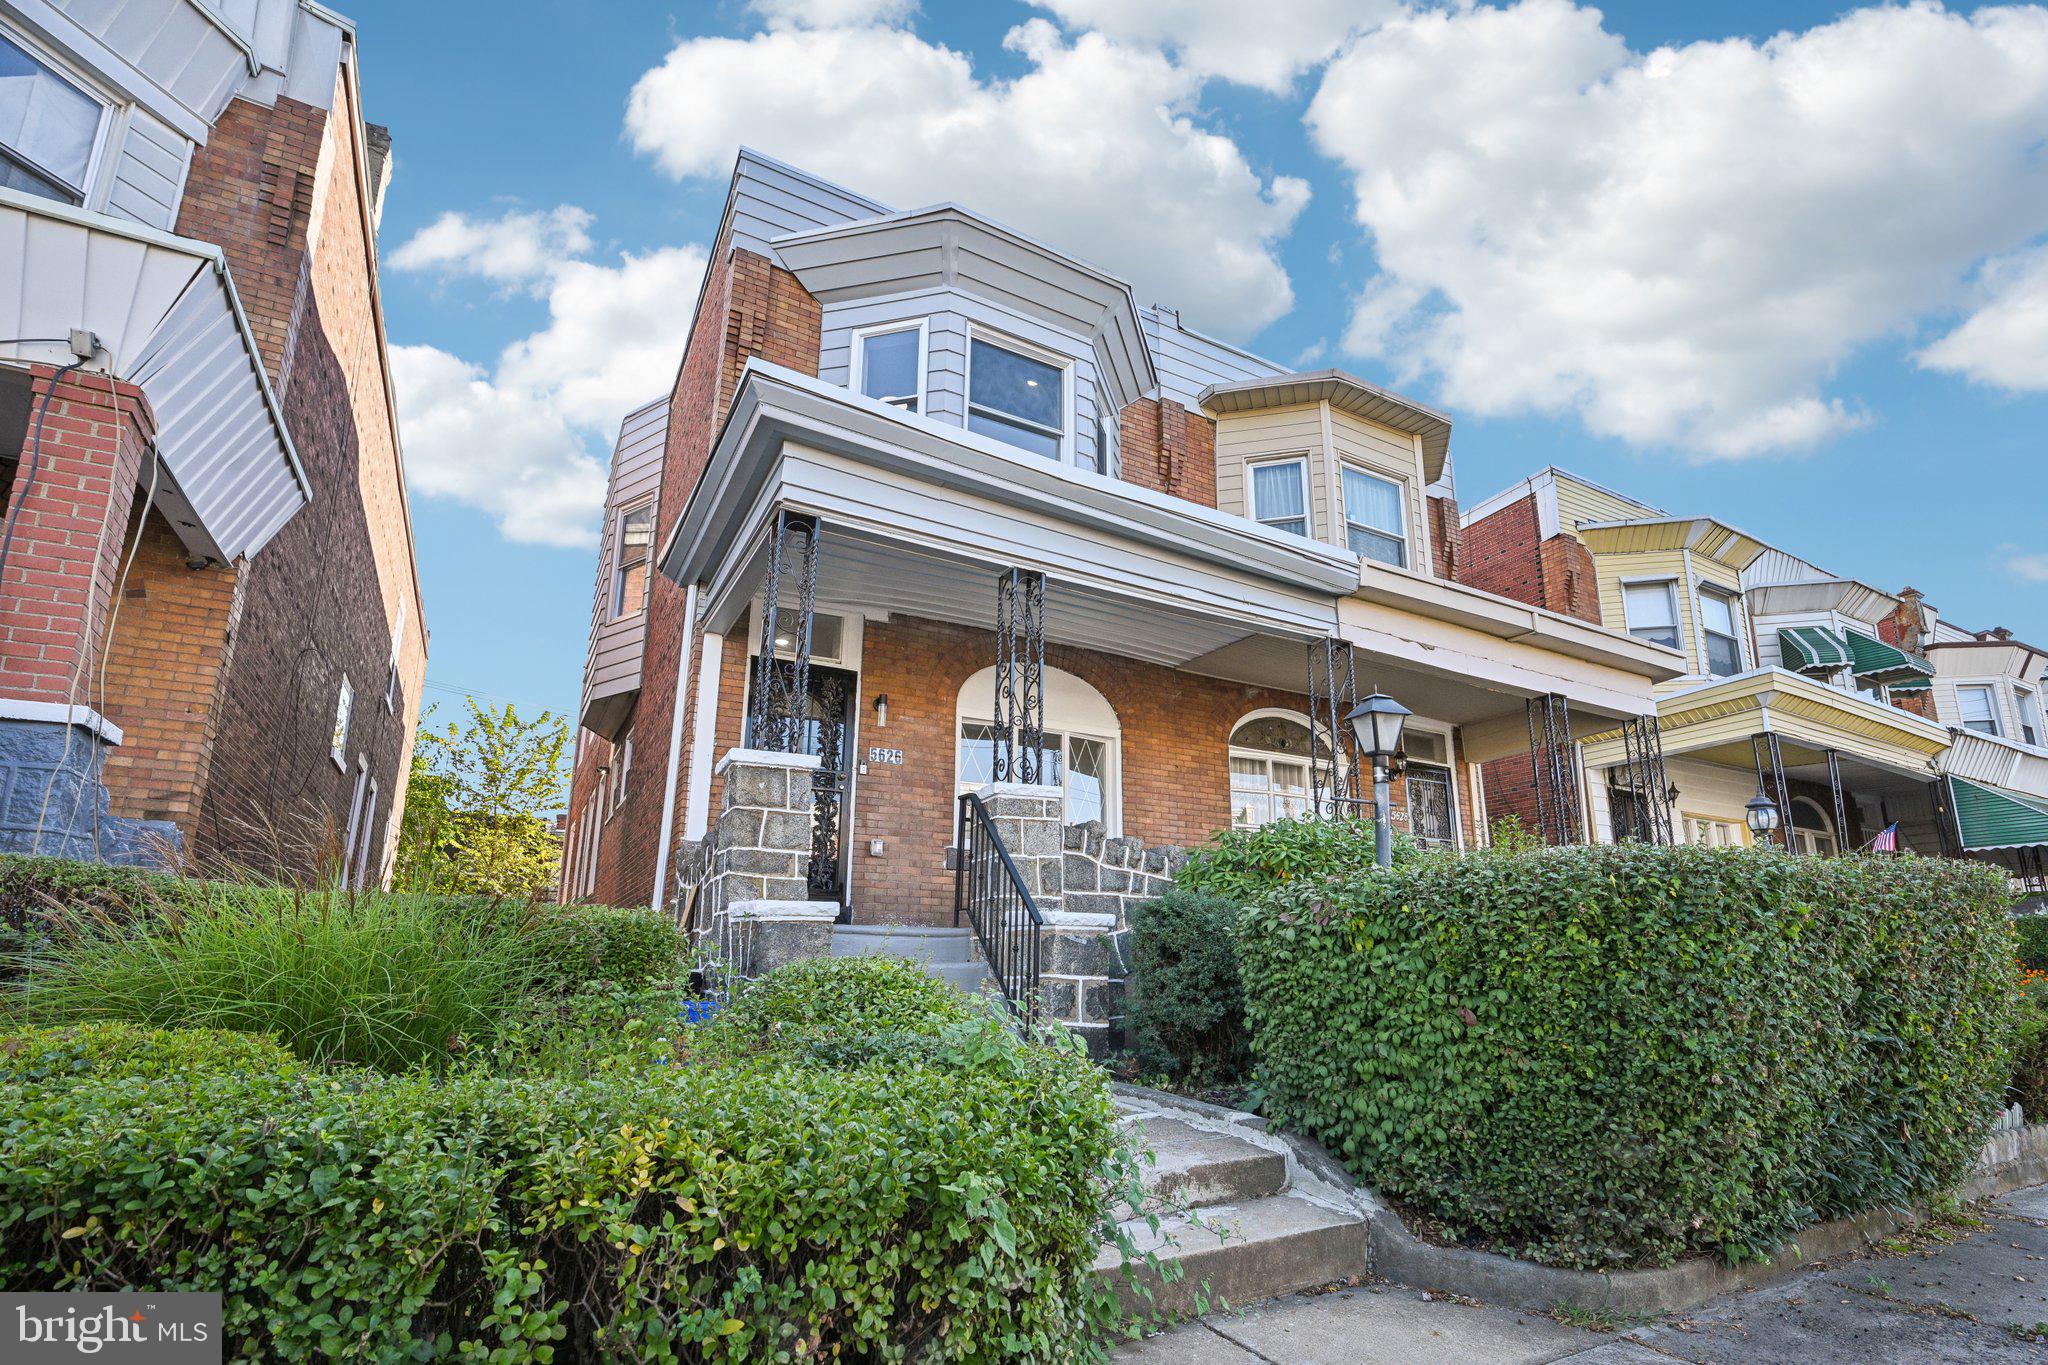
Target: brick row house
point(994, 527)
point(211, 635)
point(1858, 713)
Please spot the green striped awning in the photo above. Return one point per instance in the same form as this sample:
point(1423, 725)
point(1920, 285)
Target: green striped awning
point(1813, 649)
point(1911, 685)
point(1874, 661)
point(1991, 817)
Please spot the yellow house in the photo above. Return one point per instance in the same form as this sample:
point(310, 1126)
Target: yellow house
point(1787, 692)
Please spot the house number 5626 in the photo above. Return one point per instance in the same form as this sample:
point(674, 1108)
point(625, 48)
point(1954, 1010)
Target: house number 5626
point(891, 756)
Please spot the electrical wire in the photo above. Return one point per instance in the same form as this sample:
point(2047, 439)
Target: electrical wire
point(35, 464)
point(156, 464)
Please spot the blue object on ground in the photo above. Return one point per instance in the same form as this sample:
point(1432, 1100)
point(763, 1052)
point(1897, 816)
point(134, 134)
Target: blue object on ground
point(699, 1011)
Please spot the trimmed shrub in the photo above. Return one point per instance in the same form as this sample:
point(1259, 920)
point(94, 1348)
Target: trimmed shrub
point(1241, 864)
point(2030, 938)
point(731, 1205)
point(576, 946)
point(2029, 1087)
point(1186, 1002)
point(1618, 1055)
point(822, 996)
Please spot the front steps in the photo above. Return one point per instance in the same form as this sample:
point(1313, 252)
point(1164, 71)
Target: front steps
point(1240, 1219)
point(947, 954)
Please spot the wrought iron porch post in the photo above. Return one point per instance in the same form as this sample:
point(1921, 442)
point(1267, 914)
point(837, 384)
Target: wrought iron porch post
point(1556, 773)
point(1333, 759)
point(779, 702)
point(1770, 779)
point(1946, 826)
point(1841, 810)
point(1643, 746)
point(1019, 716)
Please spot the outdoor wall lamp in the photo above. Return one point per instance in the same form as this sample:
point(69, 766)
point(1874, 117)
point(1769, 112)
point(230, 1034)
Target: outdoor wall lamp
point(882, 710)
point(1377, 722)
point(1762, 815)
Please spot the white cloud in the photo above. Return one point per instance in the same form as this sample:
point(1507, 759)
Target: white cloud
point(519, 249)
point(2027, 568)
point(1264, 45)
point(1094, 150)
point(2004, 340)
point(528, 441)
point(831, 13)
point(1680, 246)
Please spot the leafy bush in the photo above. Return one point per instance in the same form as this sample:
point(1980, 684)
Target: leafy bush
point(866, 995)
point(574, 946)
point(1617, 1055)
point(2030, 937)
point(731, 1204)
point(383, 981)
point(1240, 864)
point(2029, 1087)
point(1186, 1002)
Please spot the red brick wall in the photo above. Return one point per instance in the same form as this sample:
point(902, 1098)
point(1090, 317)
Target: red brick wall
point(750, 308)
point(1446, 539)
point(60, 570)
point(1167, 448)
point(279, 189)
point(1504, 552)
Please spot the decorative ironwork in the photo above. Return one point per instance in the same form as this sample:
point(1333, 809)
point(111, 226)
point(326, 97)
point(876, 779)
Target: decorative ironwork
point(1770, 779)
point(1020, 678)
point(775, 710)
point(1639, 805)
point(1336, 773)
point(1841, 809)
point(1555, 761)
point(830, 696)
point(1429, 807)
point(1946, 827)
point(990, 893)
point(2030, 869)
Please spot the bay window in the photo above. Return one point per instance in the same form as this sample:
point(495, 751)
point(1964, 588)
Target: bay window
point(1375, 525)
point(1017, 398)
point(1280, 495)
point(889, 365)
point(48, 127)
point(1978, 706)
point(1651, 611)
point(1722, 646)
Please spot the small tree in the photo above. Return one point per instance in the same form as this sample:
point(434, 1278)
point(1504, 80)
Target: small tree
point(479, 804)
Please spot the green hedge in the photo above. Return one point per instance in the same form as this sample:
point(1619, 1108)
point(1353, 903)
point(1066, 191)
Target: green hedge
point(731, 1196)
point(2030, 937)
point(1240, 864)
point(1186, 1000)
point(1618, 1055)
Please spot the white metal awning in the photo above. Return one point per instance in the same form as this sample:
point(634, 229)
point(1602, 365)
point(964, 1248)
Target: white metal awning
point(166, 313)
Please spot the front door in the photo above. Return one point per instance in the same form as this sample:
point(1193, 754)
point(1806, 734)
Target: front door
point(828, 736)
point(1429, 805)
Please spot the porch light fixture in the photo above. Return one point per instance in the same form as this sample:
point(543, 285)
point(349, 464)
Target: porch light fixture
point(882, 711)
point(1377, 722)
point(1762, 814)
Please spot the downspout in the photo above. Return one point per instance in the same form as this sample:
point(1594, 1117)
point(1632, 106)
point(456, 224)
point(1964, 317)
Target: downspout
point(675, 745)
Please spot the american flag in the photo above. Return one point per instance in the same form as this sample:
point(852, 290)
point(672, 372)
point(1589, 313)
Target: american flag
point(1887, 841)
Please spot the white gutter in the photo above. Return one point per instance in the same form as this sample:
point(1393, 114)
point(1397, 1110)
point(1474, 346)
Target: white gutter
point(675, 745)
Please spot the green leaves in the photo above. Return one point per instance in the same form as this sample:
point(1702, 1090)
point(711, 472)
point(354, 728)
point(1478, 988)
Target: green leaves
point(1615, 1056)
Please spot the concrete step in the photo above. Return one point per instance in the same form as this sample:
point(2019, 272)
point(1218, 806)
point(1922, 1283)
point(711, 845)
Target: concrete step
point(895, 940)
point(968, 976)
point(1237, 1254)
point(1192, 1168)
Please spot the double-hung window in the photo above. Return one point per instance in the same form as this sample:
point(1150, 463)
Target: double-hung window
point(1374, 522)
point(629, 579)
point(1017, 398)
point(889, 365)
point(1722, 646)
point(1080, 764)
point(1280, 495)
point(2030, 714)
point(48, 126)
point(1651, 610)
point(1978, 706)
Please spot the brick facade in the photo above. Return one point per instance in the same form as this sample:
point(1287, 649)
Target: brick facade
point(1168, 448)
point(1505, 552)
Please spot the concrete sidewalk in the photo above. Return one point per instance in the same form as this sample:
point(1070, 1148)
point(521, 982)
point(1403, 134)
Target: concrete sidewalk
point(1976, 1296)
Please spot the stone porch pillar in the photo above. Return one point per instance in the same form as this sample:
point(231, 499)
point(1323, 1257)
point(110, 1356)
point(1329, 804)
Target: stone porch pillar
point(763, 916)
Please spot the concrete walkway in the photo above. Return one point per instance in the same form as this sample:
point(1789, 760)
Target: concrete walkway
point(1970, 1293)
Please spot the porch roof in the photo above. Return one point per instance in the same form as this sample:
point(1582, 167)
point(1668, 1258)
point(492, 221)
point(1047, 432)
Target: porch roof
point(1716, 721)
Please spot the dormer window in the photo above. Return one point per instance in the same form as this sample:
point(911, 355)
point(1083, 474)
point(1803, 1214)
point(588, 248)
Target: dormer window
point(1017, 397)
point(1718, 638)
point(48, 126)
point(1651, 611)
point(1280, 495)
point(1978, 706)
point(1374, 522)
point(889, 365)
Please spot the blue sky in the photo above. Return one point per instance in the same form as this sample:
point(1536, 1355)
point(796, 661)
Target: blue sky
point(1772, 279)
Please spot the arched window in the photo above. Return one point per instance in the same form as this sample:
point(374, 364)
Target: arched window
point(1269, 761)
point(1812, 831)
point(1082, 751)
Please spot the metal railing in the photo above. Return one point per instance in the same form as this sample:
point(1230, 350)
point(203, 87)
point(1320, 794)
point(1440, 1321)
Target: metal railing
point(991, 894)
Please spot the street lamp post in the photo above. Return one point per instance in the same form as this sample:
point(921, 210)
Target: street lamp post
point(1377, 722)
point(1762, 815)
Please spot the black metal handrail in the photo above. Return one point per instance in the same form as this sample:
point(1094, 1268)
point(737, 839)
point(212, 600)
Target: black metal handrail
point(992, 894)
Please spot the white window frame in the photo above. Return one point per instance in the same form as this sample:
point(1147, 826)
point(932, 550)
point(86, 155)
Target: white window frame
point(1670, 586)
point(95, 161)
point(1449, 768)
point(615, 599)
point(355, 821)
point(1003, 341)
point(359, 854)
point(1701, 592)
point(344, 716)
point(2026, 699)
point(1234, 752)
point(1308, 502)
point(1990, 691)
point(856, 361)
point(1112, 777)
point(621, 771)
point(1809, 841)
point(1400, 486)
